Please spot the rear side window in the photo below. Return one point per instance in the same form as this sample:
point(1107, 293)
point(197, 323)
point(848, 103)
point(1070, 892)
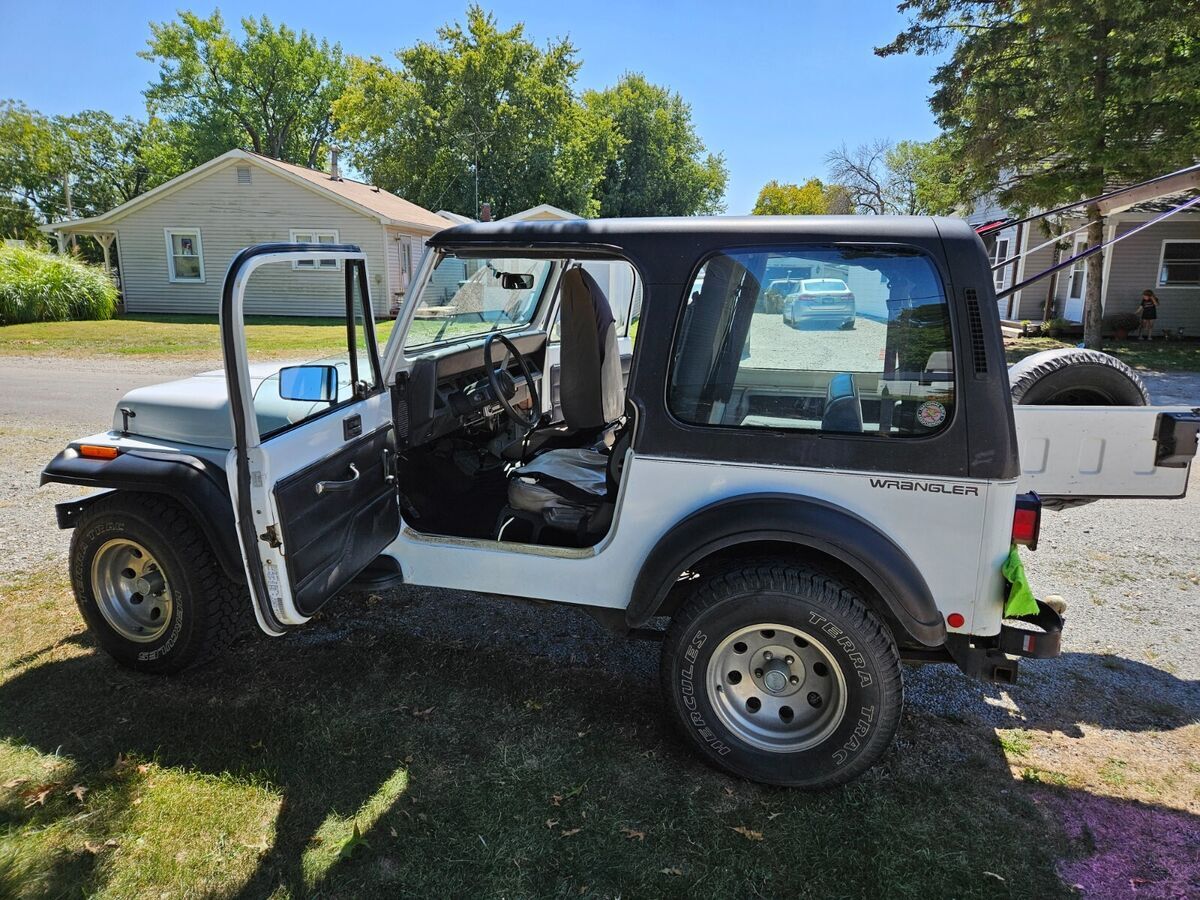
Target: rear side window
point(848, 340)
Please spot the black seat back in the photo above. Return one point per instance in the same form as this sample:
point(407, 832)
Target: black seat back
point(592, 391)
point(843, 412)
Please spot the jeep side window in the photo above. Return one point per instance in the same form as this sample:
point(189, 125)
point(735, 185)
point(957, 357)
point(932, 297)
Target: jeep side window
point(319, 340)
point(851, 340)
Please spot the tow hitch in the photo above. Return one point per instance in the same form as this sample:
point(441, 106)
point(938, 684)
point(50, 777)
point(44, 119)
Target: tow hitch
point(989, 659)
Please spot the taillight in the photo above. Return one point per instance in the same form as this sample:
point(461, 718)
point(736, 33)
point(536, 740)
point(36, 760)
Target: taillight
point(1027, 520)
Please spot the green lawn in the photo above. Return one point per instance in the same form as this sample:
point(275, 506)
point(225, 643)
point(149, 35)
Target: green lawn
point(481, 770)
point(177, 336)
point(1152, 356)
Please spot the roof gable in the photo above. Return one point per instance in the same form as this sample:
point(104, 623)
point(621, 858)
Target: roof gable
point(371, 201)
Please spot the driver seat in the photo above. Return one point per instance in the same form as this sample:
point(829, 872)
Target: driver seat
point(569, 488)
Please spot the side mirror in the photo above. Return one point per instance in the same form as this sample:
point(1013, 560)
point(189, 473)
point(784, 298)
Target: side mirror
point(515, 281)
point(314, 384)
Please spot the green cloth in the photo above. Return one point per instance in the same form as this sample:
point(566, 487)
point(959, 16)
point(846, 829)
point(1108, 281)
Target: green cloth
point(1020, 596)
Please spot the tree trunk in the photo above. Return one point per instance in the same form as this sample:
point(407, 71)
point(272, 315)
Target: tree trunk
point(1092, 310)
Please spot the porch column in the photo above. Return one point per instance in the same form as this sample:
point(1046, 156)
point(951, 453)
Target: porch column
point(105, 239)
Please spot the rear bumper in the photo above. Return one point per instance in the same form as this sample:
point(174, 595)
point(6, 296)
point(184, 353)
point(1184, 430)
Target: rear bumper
point(996, 658)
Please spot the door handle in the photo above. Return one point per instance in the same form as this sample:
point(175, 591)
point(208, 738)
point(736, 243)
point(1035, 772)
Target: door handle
point(326, 486)
point(389, 474)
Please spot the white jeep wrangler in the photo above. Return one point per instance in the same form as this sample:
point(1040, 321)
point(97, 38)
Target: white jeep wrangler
point(792, 512)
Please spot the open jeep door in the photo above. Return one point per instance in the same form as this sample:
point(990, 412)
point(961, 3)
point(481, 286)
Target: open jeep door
point(312, 468)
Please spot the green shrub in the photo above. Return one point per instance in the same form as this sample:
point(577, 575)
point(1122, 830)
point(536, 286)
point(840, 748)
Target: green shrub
point(45, 287)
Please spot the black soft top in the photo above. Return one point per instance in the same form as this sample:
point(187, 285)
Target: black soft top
point(707, 230)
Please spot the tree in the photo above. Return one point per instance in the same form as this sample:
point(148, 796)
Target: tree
point(107, 160)
point(272, 91)
point(482, 114)
point(906, 179)
point(33, 160)
point(776, 199)
point(1051, 101)
point(661, 167)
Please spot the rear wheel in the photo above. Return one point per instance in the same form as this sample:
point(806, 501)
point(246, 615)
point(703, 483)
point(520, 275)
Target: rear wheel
point(149, 587)
point(782, 675)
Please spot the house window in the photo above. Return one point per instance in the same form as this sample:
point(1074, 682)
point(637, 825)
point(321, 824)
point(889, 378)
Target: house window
point(313, 236)
point(1180, 264)
point(999, 255)
point(1079, 270)
point(185, 255)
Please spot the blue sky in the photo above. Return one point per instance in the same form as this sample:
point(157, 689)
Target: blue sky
point(773, 85)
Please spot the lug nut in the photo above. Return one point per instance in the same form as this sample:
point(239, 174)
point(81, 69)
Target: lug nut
point(768, 655)
point(795, 679)
point(789, 659)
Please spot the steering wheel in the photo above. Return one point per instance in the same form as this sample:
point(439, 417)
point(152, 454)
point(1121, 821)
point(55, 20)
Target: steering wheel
point(502, 384)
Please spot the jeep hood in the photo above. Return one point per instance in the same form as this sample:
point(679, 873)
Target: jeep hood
point(196, 410)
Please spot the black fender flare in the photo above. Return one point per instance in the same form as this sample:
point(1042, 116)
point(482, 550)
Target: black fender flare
point(803, 521)
point(197, 485)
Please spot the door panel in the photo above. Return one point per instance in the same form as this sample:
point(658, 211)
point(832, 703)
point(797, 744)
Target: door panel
point(332, 532)
point(315, 499)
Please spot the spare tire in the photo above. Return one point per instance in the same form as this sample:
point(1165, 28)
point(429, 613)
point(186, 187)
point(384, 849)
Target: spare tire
point(1073, 377)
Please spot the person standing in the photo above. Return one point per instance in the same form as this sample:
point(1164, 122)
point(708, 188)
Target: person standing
point(1148, 310)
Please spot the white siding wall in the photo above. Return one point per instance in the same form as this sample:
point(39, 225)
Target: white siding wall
point(1134, 268)
point(1031, 301)
point(231, 216)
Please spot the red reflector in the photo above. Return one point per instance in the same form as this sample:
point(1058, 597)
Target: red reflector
point(955, 620)
point(97, 451)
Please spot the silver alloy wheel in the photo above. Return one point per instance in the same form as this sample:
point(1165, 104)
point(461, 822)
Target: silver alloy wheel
point(131, 590)
point(776, 688)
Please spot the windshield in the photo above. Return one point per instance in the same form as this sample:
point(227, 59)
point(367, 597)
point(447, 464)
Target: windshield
point(465, 297)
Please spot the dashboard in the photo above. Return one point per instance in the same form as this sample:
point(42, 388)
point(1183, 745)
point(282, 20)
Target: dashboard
point(448, 390)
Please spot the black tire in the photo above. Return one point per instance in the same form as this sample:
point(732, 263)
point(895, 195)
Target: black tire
point(830, 615)
point(1075, 377)
point(207, 610)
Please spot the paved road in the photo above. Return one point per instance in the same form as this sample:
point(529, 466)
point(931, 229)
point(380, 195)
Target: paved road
point(82, 392)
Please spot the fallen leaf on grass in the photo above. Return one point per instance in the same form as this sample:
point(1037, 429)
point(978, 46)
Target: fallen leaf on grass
point(571, 831)
point(556, 800)
point(633, 834)
point(749, 834)
point(9, 785)
point(550, 823)
point(94, 848)
point(994, 875)
point(78, 791)
point(532, 704)
point(36, 796)
point(422, 713)
point(671, 870)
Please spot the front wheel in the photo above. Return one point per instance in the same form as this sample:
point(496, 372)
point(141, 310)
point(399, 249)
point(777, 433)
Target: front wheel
point(782, 675)
point(149, 586)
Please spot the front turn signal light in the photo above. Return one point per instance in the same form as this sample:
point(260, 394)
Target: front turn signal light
point(98, 451)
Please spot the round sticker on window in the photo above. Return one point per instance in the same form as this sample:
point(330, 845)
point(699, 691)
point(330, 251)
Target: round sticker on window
point(931, 414)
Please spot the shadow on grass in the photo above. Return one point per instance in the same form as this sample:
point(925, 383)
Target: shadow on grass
point(483, 766)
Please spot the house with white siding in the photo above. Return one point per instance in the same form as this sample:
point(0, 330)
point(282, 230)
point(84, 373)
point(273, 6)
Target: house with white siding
point(1164, 258)
point(172, 245)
